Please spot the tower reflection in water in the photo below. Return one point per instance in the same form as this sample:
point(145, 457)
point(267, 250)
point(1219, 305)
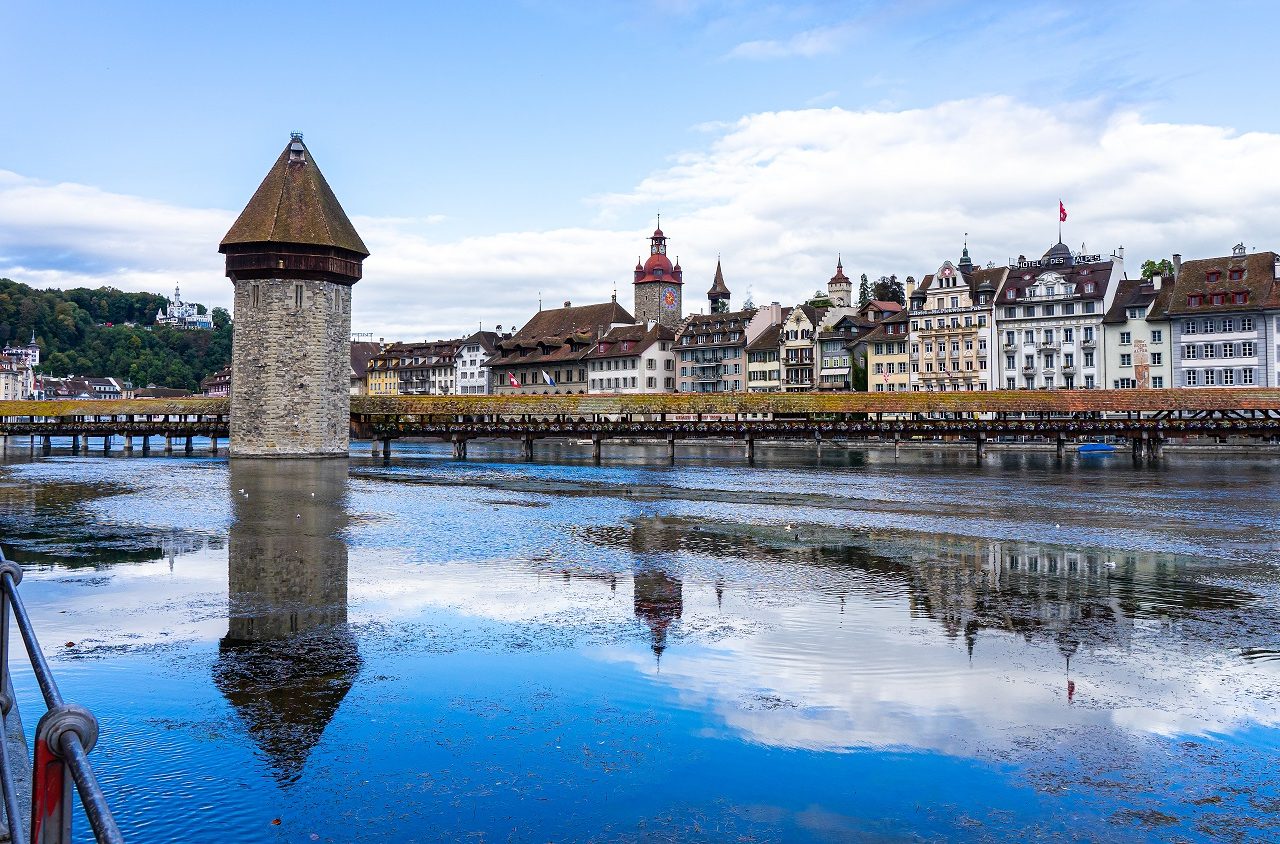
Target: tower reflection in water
point(288, 658)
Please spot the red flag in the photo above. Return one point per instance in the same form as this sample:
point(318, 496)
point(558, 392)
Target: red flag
point(511, 378)
point(1062, 212)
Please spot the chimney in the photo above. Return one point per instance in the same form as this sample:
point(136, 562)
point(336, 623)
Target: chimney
point(1177, 266)
point(1156, 281)
point(910, 287)
point(566, 303)
point(1277, 270)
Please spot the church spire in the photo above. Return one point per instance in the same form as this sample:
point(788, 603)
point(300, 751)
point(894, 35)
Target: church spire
point(719, 292)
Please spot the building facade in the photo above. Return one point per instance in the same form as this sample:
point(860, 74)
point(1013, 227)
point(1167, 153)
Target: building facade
point(951, 328)
point(764, 361)
point(632, 359)
point(548, 354)
point(1136, 340)
point(796, 346)
point(292, 256)
point(472, 361)
point(888, 357)
point(1049, 320)
point(1224, 314)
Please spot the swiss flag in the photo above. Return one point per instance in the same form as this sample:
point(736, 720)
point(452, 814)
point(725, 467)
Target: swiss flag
point(511, 379)
point(1062, 212)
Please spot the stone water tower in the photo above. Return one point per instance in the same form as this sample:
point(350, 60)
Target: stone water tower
point(293, 256)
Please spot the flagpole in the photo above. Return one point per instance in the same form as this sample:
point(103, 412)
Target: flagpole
point(1059, 219)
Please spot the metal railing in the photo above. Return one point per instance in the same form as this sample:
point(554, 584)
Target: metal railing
point(65, 735)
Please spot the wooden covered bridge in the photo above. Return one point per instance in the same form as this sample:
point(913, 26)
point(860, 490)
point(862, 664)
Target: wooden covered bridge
point(1147, 418)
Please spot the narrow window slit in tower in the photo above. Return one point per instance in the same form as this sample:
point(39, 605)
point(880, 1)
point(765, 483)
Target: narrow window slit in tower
point(255, 296)
point(297, 296)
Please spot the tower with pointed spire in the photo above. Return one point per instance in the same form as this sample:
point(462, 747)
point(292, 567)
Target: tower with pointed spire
point(292, 256)
point(658, 285)
point(719, 294)
point(840, 287)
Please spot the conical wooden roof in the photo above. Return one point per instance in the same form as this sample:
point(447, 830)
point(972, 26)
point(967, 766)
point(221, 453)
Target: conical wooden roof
point(294, 204)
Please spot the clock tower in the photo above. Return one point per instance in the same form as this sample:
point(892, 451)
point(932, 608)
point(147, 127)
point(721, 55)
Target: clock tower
point(658, 286)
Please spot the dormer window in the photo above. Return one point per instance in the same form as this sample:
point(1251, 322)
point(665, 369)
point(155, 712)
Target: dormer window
point(1195, 300)
point(1240, 297)
point(657, 272)
point(1219, 298)
point(1236, 274)
point(1214, 276)
point(1090, 287)
point(1011, 294)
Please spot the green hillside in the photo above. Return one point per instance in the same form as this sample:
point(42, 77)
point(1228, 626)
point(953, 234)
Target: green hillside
point(83, 332)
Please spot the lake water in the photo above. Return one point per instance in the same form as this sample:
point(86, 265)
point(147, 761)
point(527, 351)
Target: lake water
point(852, 647)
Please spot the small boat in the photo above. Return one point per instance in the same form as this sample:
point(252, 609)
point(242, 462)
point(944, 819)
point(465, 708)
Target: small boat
point(1095, 448)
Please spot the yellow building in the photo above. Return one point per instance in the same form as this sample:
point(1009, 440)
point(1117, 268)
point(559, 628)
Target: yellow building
point(382, 378)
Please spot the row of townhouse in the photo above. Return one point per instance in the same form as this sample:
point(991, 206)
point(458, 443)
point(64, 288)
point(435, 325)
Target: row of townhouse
point(1072, 320)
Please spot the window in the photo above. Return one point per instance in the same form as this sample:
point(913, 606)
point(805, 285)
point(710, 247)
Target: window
point(1194, 300)
point(1126, 360)
point(297, 296)
point(1090, 307)
point(1157, 358)
point(1210, 350)
point(1157, 382)
point(1213, 276)
point(1235, 275)
point(255, 296)
point(1247, 349)
point(1228, 350)
point(1088, 358)
point(1009, 362)
point(1068, 335)
point(1011, 294)
point(1210, 377)
point(1189, 327)
point(1068, 359)
point(1125, 383)
point(1157, 335)
point(1134, 313)
point(1088, 382)
point(1010, 313)
point(1228, 377)
point(1189, 352)
point(955, 301)
point(1246, 376)
point(1090, 287)
point(1029, 310)
point(1069, 308)
point(1049, 310)
point(1028, 336)
point(1126, 338)
point(1228, 324)
point(1239, 298)
point(1246, 324)
point(1191, 377)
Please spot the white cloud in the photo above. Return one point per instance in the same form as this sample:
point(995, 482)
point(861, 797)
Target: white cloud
point(812, 42)
point(778, 194)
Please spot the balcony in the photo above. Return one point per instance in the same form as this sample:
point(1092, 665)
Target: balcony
point(1088, 343)
point(1069, 370)
point(1048, 346)
point(1028, 371)
point(1010, 347)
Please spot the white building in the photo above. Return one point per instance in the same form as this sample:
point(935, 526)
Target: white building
point(633, 359)
point(1136, 339)
point(1224, 314)
point(1049, 320)
point(472, 376)
point(183, 315)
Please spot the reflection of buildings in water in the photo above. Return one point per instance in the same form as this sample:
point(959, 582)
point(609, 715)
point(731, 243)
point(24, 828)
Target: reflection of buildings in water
point(176, 543)
point(288, 658)
point(1070, 597)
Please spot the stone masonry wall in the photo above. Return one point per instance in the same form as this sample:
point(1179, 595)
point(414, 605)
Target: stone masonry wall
point(290, 369)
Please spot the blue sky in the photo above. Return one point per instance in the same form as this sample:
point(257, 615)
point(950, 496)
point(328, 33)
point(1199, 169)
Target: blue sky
point(489, 151)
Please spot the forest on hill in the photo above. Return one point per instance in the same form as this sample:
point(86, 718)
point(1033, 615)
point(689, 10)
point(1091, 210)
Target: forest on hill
point(109, 333)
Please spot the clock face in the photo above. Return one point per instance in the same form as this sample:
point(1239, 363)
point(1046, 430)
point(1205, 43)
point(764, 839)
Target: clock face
point(662, 249)
point(669, 299)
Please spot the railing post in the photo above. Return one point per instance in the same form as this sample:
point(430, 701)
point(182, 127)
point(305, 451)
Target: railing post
point(51, 806)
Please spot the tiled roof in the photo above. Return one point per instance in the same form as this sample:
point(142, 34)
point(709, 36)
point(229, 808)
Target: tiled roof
point(588, 319)
point(1077, 274)
point(629, 340)
point(294, 204)
point(1258, 281)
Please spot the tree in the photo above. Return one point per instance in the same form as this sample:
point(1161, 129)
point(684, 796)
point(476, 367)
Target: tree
point(1163, 267)
point(889, 289)
point(864, 291)
point(221, 319)
point(858, 376)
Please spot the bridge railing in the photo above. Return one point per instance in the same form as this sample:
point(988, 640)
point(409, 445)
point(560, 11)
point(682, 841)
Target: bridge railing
point(65, 735)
